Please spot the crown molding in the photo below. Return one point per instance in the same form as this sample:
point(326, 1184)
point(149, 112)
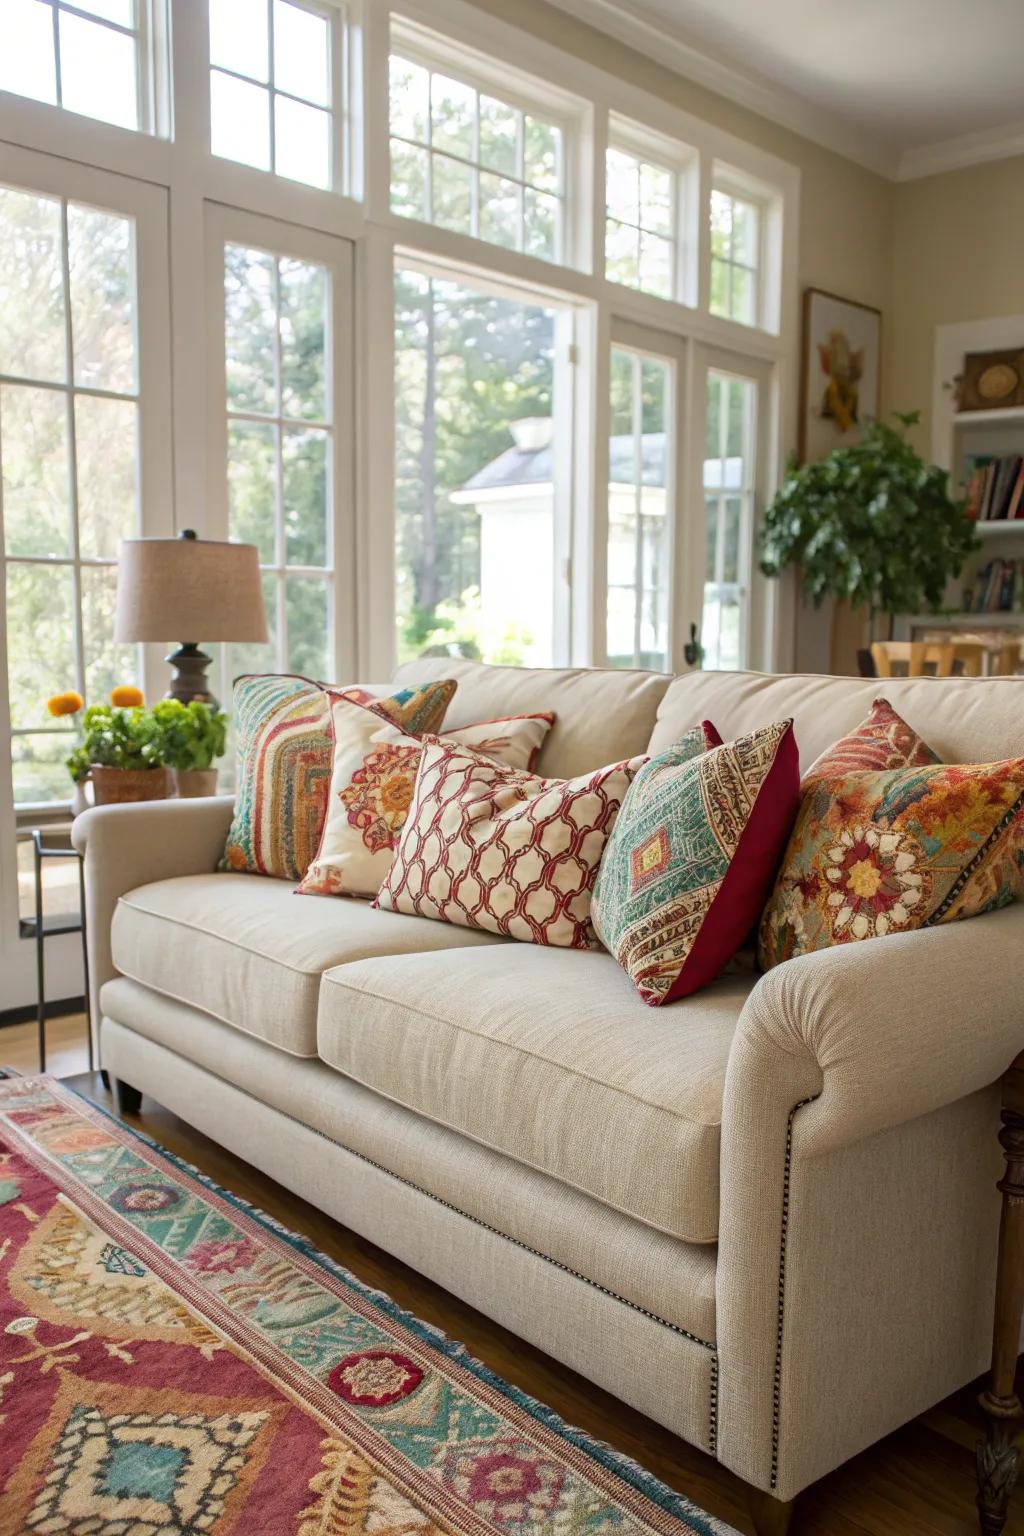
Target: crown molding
point(678, 52)
point(964, 150)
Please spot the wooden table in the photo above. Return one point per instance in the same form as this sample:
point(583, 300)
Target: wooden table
point(998, 1455)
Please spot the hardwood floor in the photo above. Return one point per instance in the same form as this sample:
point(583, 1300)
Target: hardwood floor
point(918, 1482)
point(66, 1051)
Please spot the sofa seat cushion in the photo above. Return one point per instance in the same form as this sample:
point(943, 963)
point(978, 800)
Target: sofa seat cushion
point(551, 1057)
point(252, 953)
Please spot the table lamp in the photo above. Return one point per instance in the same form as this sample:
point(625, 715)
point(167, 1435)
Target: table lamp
point(167, 588)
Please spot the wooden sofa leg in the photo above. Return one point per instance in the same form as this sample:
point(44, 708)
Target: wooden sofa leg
point(770, 1516)
point(127, 1098)
point(999, 1458)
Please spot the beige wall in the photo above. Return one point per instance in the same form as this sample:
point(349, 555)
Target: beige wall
point(958, 254)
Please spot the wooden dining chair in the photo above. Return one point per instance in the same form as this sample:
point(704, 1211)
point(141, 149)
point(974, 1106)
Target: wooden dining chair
point(916, 655)
point(1006, 661)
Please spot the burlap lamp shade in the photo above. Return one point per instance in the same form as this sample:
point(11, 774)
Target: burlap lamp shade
point(167, 588)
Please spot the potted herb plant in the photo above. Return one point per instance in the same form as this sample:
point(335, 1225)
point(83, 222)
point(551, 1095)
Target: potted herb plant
point(871, 523)
point(121, 752)
point(193, 735)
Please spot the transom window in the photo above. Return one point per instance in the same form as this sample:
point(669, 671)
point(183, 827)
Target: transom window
point(82, 55)
point(280, 427)
point(69, 427)
point(640, 223)
point(274, 82)
point(735, 257)
point(475, 162)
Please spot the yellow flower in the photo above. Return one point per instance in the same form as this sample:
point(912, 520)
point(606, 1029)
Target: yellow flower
point(125, 696)
point(65, 703)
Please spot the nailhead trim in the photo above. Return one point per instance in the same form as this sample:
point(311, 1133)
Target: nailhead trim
point(536, 1252)
point(777, 1376)
point(713, 1425)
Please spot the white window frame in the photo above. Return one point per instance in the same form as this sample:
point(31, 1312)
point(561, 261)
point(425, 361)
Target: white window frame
point(742, 188)
point(227, 226)
point(147, 205)
point(193, 186)
point(765, 610)
point(660, 346)
point(150, 75)
point(683, 164)
point(514, 88)
point(339, 109)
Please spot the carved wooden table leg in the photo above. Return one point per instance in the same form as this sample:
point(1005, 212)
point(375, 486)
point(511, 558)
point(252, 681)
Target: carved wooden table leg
point(998, 1456)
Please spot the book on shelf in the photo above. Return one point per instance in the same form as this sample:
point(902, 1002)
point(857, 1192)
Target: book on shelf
point(994, 487)
point(999, 587)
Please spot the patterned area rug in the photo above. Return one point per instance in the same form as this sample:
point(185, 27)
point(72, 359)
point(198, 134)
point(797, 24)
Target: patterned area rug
point(172, 1361)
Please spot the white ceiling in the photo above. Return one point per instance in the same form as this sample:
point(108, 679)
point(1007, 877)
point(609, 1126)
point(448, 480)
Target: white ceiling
point(916, 84)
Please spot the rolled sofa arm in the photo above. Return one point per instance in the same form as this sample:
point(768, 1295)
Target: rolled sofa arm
point(129, 845)
point(858, 1204)
point(882, 1031)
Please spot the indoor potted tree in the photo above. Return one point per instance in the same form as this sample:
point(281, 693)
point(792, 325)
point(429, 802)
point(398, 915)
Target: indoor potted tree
point(121, 752)
point(871, 523)
point(193, 735)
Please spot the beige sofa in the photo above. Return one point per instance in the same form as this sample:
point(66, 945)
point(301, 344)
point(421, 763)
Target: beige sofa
point(765, 1215)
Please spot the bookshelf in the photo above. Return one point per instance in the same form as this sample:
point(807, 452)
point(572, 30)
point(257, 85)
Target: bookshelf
point(961, 440)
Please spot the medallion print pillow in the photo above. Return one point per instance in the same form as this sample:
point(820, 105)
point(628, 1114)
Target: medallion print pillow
point(884, 740)
point(880, 853)
point(693, 856)
point(501, 849)
point(372, 787)
point(285, 755)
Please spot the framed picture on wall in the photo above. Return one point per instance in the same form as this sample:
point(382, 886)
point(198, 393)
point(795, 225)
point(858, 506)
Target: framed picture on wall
point(839, 380)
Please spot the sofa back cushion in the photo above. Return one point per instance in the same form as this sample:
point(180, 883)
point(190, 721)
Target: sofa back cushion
point(963, 719)
point(601, 716)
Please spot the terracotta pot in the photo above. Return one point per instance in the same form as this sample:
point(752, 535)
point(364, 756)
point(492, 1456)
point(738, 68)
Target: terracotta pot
point(189, 783)
point(114, 786)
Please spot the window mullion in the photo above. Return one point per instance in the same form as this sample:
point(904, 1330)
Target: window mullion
point(272, 103)
point(56, 55)
point(279, 537)
point(72, 452)
point(638, 493)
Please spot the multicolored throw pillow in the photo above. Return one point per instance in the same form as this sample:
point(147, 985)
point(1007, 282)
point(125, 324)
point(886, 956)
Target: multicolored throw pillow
point(884, 740)
point(372, 788)
point(504, 850)
point(880, 853)
point(285, 755)
point(693, 856)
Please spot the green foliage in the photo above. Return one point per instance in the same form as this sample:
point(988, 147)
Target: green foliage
point(192, 735)
point(466, 365)
point(458, 627)
point(871, 523)
point(117, 738)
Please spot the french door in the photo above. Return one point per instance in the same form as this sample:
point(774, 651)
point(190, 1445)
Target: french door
point(689, 467)
point(645, 541)
point(729, 483)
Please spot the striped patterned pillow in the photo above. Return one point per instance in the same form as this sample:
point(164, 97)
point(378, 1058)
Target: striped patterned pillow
point(285, 754)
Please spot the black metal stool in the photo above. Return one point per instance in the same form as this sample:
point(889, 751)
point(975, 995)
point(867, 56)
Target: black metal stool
point(42, 928)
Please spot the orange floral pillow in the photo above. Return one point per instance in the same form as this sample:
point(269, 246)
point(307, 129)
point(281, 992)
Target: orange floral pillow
point(372, 785)
point(884, 740)
point(879, 853)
